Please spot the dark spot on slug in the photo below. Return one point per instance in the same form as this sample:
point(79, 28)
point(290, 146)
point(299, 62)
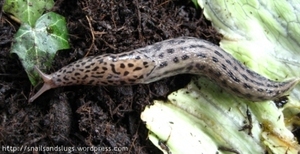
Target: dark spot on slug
point(76, 74)
point(200, 67)
point(233, 77)
point(131, 53)
point(137, 57)
point(215, 59)
point(147, 57)
point(101, 61)
point(65, 78)
point(102, 72)
point(122, 65)
point(171, 41)
point(269, 91)
point(183, 48)
point(273, 86)
point(104, 68)
point(89, 59)
point(161, 55)
point(126, 73)
point(283, 83)
point(251, 73)
point(185, 57)
point(218, 53)
point(97, 76)
point(137, 69)
point(113, 57)
point(245, 77)
point(256, 82)
point(202, 55)
point(224, 67)
point(170, 51)
point(157, 47)
point(245, 85)
point(140, 77)
point(228, 62)
point(86, 76)
point(260, 90)
point(130, 65)
point(95, 68)
point(235, 68)
point(163, 64)
point(196, 46)
point(122, 55)
point(181, 41)
point(175, 60)
point(241, 66)
point(113, 69)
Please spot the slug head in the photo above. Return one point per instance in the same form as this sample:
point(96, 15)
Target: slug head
point(48, 84)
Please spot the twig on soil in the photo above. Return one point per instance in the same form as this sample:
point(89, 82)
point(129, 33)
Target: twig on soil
point(93, 36)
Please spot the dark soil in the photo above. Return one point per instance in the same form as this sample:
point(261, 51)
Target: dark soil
point(93, 116)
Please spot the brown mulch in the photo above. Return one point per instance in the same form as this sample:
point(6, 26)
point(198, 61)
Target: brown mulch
point(94, 116)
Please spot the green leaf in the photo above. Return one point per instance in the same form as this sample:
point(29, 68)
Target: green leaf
point(195, 2)
point(38, 45)
point(27, 11)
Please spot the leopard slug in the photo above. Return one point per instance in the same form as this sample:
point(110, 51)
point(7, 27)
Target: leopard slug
point(184, 55)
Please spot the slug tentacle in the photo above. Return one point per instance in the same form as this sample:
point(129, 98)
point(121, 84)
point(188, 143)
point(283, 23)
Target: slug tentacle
point(164, 59)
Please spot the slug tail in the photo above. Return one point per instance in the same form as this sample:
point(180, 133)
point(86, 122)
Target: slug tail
point(290, 86)
point(294, 83)
point(48, 84)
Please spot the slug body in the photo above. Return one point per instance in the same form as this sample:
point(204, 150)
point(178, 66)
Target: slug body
point(184, 55)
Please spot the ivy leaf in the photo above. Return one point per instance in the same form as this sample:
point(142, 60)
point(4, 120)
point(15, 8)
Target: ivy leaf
point(27, 11)
point(38, 45)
